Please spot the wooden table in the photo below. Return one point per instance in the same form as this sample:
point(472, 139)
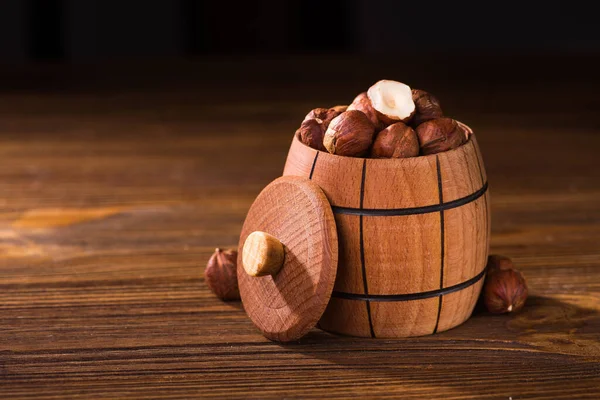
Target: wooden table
point(117, 183)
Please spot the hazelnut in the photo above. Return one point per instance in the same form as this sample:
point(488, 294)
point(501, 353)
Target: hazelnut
point(318, 112)
point(315, 124)
point(497, 262)
point(504, 291)
point(363, 104)
point(349, 134)
point(340, 109)
point(221, 275)
point(440, 134)
point(392, 100)
point(427, 107)
point(396, 141)
point(311, 133)
point(323, 115)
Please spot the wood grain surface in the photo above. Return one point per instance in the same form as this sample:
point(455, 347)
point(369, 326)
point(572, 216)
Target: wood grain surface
point(117, 183)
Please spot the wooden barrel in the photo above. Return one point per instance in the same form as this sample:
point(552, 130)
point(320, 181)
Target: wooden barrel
point(413, 238)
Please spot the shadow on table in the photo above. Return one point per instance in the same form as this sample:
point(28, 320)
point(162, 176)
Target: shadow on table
point(547, 333)
point(560, 327)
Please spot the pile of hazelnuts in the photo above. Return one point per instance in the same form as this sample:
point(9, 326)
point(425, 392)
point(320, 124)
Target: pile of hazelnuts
point(390, 120)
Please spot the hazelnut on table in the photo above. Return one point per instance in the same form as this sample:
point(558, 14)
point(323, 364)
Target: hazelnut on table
point(498, 262)
point(221, 274)
point(505, 290)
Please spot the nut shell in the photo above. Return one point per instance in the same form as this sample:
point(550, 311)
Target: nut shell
point(396, 141)
point(467, 130)
point(427, 107)
point(505, 291)
point(440, 134)
point(349, 134)
point(221, 274)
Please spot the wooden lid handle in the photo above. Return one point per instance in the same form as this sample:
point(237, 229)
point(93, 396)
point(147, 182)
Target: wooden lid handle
point(262, 254)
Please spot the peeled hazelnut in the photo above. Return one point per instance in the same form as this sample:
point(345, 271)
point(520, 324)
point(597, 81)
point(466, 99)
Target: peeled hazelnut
point(392, 100)
point(363, 104)
point(504, 291)
point(311, 133)
point(396, 141)
point(427, 107)
point(497, 262)
point(221, 275)
point(440, 134)
point(349, 134)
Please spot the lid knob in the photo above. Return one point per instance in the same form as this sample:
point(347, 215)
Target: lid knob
point(262, 254)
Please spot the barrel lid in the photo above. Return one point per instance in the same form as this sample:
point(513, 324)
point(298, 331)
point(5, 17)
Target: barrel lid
point(287, 303)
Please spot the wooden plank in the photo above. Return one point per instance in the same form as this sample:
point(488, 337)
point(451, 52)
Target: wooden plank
point(465, 242)
point(403, 254)
point(395, 184)
point(349, 278)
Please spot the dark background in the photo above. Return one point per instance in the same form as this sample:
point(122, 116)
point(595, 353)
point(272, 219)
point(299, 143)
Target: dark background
point(92, 30)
